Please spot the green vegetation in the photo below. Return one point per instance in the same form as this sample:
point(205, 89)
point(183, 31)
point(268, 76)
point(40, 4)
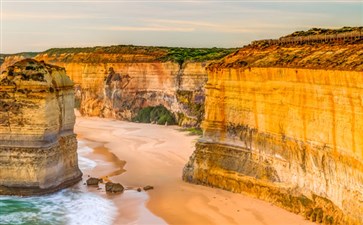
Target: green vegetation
point(114, 49)
point(180, 55)
point(127, 53)
point(155, 114)
point(319, 31)
point(193, 131)
point(144, 53)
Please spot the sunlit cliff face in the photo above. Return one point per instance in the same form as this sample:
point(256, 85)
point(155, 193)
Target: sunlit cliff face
point(284, 133)
point(37, 144)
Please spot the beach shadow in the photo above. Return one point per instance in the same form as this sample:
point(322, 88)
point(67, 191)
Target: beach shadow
point(110, 157)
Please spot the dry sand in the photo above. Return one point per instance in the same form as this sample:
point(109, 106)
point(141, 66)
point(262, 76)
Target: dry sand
point(137, 155)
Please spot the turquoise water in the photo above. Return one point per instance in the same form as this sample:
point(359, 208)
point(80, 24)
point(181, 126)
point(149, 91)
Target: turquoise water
point(69, 206)
point(72, 206)
point(31, 211)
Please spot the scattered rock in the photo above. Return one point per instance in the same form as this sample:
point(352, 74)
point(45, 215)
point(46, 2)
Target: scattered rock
point(114, 187)
point(139, 189)
point(148, 187)
point(93, 181)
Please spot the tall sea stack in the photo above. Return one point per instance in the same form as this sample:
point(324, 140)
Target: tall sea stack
point(38, 148)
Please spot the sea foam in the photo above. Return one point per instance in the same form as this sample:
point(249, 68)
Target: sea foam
point(72, 206)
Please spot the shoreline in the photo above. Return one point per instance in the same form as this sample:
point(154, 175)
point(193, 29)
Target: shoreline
point(147, 154)
point(130, 204)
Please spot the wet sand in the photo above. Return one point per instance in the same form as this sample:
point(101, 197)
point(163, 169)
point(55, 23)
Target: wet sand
point(137, 155)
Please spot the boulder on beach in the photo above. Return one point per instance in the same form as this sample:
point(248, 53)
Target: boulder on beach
point(92, 181)
point(148, 187)
point(114, 187)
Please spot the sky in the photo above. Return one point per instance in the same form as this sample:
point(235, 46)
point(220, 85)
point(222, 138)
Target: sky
point(37, 25)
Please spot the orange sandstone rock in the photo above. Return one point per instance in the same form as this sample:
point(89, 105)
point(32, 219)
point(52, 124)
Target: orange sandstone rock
point(288, 135)
point(180, 90)
point(38, 149)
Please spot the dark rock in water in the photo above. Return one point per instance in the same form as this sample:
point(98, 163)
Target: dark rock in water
point(93, 181)
point(114, 187)
point(139, 189)
point(148, 187)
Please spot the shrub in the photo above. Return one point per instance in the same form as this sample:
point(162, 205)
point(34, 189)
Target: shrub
point(158, 114)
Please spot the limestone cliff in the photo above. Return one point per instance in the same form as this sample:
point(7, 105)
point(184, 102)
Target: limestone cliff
point(142, 76)
point(38, 149)
point(181, 90)
point(285, 124)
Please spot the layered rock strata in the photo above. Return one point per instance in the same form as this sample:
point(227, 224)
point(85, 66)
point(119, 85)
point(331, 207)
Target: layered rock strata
point(139, 84)
point(284, 133)
point(140, 77)
point(38, 148)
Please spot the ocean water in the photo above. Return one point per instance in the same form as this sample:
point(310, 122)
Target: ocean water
point(70, 206)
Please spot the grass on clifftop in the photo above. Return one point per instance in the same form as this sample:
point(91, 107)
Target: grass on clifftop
point(114, 49)
point(181, 55)
point(173, 54)
point(321, 31)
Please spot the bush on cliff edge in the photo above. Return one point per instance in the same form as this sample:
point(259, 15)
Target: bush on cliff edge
point(155, 114)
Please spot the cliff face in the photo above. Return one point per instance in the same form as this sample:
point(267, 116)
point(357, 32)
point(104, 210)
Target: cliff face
point(282, 132)
point(138, 77)
point(136, 84)
point(37, 144)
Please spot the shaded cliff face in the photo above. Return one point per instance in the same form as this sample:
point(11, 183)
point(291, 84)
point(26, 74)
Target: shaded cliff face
point(149, 84)
point(37, 144)
point(146, 76)
point(284, 133)
point(142, 81)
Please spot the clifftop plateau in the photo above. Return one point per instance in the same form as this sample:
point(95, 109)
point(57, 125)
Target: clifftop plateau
point(134, 54)
point(338, 56)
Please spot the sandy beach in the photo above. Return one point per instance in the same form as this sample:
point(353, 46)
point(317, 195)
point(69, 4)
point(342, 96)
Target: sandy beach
point(137, 155)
